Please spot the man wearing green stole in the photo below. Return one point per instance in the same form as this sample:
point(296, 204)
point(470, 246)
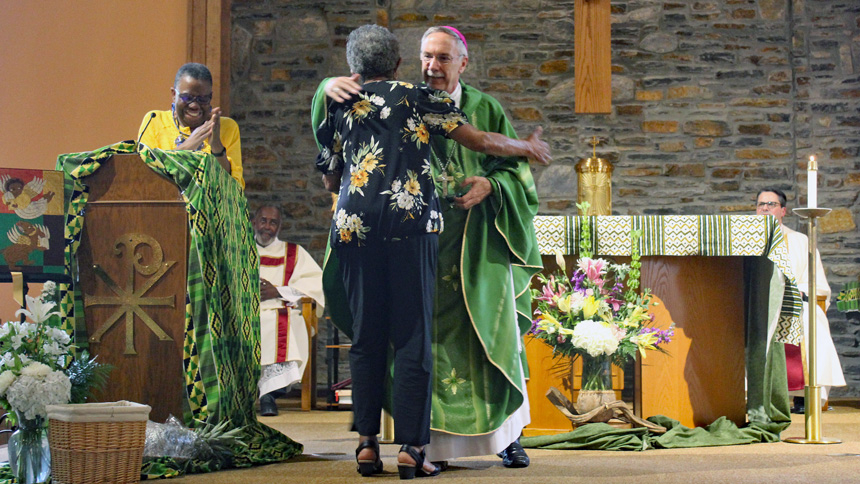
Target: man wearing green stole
point(487, 255)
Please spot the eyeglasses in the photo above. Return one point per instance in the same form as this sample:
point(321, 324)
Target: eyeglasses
point(768, 204)
point(441, 58)
point(202, 100)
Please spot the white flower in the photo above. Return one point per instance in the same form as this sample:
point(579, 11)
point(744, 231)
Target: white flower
point(386, 111)
point(39, 311)
point(396, 185)
point(54, 348)
point(341, 218)
point(59, 336)
point(577, 299)
point(48, 289)
point(17, 340)
point(354, 223)
point(6, 379)
point(559, 259)
point(378, 100)
point(36, 370)
point(594, 337)
point(405, 201)
point(30, 395)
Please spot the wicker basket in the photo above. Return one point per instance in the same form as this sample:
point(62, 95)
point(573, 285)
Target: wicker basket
point(97, 442)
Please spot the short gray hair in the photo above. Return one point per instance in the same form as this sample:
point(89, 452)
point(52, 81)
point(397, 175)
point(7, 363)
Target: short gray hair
point(196, 71)
point(372, 51)
point(445, 30)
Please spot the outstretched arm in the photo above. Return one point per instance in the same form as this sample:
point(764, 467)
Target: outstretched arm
point(500, 145)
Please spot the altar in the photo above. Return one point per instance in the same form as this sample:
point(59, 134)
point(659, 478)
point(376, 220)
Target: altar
point(725, 282)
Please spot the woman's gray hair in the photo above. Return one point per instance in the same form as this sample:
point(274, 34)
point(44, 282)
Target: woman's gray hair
point(461, 47)
point(196, 71)
point(372, 51)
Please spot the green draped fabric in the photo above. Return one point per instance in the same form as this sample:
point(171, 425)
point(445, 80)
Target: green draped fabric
point(222, 341)
point(601, 436)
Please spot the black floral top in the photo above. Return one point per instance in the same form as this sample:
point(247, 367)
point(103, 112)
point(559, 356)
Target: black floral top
point(380, 141)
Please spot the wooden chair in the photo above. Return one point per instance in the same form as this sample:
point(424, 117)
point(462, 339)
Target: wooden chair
point(309, 378)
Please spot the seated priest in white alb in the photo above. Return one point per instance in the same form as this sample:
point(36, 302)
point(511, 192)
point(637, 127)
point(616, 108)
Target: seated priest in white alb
point(287, 273)
point(771, 201)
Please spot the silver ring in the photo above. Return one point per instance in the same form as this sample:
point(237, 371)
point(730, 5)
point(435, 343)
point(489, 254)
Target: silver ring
point(337, 89)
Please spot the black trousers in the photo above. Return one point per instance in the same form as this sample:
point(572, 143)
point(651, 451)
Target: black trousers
point(390, 287)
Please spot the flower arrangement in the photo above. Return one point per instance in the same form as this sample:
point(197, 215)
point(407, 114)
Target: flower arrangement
point(37, 365)
point(591, 313)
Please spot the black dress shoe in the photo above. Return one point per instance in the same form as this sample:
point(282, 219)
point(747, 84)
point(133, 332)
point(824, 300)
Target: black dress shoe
point(799, 406)
point(268, 406)
point(514, 456)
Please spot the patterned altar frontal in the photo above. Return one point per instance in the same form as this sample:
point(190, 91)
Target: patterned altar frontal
point(31, 223)
point(683, 235)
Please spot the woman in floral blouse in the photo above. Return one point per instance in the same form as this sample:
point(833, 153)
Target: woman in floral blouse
point(375, 155)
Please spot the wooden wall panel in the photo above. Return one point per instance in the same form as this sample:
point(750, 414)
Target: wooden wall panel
point(592, 56)
point(209, 43)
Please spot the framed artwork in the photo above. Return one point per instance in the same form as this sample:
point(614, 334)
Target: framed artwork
point(32, 219)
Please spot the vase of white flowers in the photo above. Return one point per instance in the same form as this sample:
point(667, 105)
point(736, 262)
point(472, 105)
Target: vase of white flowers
point(29, 453)
point(33, 355)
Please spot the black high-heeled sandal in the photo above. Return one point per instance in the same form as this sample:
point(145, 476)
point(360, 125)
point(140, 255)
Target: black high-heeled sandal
point(408, 471)
point(369, 467)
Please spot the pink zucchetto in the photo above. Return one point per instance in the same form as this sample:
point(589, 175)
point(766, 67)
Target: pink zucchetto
point(462, 37)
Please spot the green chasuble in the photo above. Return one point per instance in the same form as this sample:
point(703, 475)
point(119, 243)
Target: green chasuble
point(487, 256)
point(222, 341)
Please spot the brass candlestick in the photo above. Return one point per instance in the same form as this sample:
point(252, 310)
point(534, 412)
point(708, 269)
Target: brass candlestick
point(595, 183)
point(387, 428)
point(812, 391)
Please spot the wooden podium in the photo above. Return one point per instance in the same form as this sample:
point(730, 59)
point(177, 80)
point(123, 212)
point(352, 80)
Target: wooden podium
point(132, 274)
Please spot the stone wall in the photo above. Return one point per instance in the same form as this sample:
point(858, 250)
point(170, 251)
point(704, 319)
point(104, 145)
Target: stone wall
point(712, 100)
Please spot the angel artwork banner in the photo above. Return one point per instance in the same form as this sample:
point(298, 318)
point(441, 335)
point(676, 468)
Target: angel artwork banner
point(32, 218)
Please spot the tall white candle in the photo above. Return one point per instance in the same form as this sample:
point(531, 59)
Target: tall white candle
point(812, 183)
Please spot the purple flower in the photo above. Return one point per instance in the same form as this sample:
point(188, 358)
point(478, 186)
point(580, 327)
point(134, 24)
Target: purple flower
point(577, 281)
point(662, 335)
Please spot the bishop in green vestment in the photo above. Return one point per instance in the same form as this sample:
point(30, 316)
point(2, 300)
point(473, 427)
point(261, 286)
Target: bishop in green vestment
point(487, 256)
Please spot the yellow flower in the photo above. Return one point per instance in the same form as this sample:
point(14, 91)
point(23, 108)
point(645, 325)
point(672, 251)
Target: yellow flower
point(345, 235)
point(590, 307)
point(358, 178)
point(369, 162)
point(646, 342)
point(548, 323)
point(637, 316)
point(422, 133)
point(361, 108)
point(564, 304)
point(412, 186)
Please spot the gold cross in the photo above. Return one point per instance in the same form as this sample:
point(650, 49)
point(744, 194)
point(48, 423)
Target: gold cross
point(445, 180)
point(130, 299)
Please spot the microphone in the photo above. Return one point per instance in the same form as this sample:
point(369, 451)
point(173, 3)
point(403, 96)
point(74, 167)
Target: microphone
point(137, 145)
